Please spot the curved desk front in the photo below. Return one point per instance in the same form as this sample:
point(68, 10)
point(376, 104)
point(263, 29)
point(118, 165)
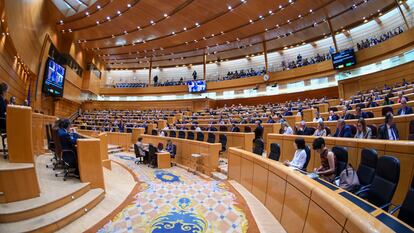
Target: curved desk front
point(302, 204)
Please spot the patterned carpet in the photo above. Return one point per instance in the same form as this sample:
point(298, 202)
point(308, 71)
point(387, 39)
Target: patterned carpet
point(174, 200)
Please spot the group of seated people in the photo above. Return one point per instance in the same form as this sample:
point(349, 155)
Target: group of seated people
point(145, 156)
point(369, 42)
point(300, 61)
point(242, 74)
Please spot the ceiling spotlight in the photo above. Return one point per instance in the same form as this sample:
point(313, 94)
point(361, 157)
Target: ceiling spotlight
point(229, 7)
point(165, 15)
point(108, 18)
point(173, 33)
point(118, 12)
point(128, 5)
point(270, 12)
point(61, 21)
point(197, 24)
point(152, 22)
point(250, 21)
point(97, 22)
point(87, 13)
point(98, 6)
point(185, 29)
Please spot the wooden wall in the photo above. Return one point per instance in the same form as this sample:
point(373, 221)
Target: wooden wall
point(193, 105)
point(391, 76)
point(330, 92)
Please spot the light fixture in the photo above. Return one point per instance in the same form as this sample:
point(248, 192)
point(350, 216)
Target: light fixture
point(98, 6)
point(165, 15)
point(128, 5)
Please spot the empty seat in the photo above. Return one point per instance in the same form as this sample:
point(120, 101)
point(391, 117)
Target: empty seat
point(374, 131)
point(367, 166)
point(154, 132)
point(258, 146)
point(223, 141)
point(274, 153)
point(223, 128)
point(308, 157)
point(384, 184)
point(181, 134)
point(247, 129)
point(173, 134)
point(190, 135)
point(407, 207)
point(200, 136)
point(341, 155)
point(211, 138)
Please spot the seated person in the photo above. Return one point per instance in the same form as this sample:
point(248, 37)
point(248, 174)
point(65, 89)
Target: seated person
point(371, 104)
point(270, 120)
point(343, 130)
point(299, 159)
point(359, 113)
point(363, 132)
point(234, 128)
point(388, 130)
point(404, 110)
point(142, 150)
point(169, 148)
point(332, 116)
point(387, 101)
point(347, 115)
point(287, 130)
point(317, 117)
point(320, 130)
point(303, 129)
point(121, 126)
point(328, 160)
point(68, 142)
point(211, 128)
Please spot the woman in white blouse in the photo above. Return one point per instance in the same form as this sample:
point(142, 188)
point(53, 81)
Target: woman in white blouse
point(287, 130)
point(299, 159)
point(320, 130)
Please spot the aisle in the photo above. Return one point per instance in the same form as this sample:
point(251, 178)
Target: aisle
point(174, 200)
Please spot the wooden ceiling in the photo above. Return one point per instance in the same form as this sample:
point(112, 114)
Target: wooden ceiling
point(127, 34)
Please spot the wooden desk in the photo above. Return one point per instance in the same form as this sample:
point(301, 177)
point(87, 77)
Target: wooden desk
point(163, 159)
point(90, 163)
point(302, 204)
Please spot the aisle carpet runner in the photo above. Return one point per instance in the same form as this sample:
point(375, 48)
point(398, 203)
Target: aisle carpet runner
point(174, 200)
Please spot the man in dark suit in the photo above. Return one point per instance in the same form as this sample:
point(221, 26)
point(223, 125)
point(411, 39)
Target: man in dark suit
point(68, 142)
point(359, 113)
point(343, 130)
point(211, 128)
point(388, 130)
point(304, 130)
point(332, 116)
point(404, 110)
point(258, 132)
point(287, 112)
point(234, 128)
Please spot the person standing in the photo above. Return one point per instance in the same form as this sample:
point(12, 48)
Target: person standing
point(3, 106)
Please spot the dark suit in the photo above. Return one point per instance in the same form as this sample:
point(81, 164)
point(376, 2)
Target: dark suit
point(211, 129)
point(349, 116)
point(288, 114)
point(333, 118)
point(3, 107)
point(305, 131)
point(383, 132)
point(407, 110)
point(270, 121)
point(258, 132)
point(344, 133)
point(363, 115)
point(235, 129)
point(68, 142)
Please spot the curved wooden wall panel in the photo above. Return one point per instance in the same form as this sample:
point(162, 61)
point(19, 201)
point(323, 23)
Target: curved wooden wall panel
point(300, 203)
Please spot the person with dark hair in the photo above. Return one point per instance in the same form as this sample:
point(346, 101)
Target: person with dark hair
point(68, 142)
point(359, 113)
point(3, 106)
point(234, 128)
point(388, 130)
point(142, 150)
point(343, 130)
point(328, 160)
point(258, 132)
point(387, 101)
point(299, 159)
point(363, 131)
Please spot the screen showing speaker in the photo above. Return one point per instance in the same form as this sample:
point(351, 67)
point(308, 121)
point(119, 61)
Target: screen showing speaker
point(343, 59)
point(54, 79)
point(196, 86)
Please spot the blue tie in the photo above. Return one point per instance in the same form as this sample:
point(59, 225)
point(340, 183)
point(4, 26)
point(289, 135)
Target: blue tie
point(393, 134)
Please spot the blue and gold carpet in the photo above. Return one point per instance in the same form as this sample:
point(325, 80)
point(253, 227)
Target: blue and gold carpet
point(174, 200)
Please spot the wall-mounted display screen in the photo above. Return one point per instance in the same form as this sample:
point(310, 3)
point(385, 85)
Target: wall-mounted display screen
point(196, 86)
point(54, 79)
point(343, 59)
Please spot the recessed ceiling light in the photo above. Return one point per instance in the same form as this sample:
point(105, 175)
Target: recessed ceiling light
point(118, 12)
point(250, 21)
point(229, 7)
point(108, 18)
point(98, 6)
point(87, 13)
point(185, 29)
point(165, 15)
point(128, 5)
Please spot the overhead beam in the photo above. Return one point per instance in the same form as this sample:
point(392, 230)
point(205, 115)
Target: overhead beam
point(265, 56)
point(204, 66)
point(332, 35)
point(402, 14)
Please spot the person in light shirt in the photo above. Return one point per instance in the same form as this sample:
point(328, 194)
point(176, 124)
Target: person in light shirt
point(287, 130)
point(320, 130)
point(299, 159)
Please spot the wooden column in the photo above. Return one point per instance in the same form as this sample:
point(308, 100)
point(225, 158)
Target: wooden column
point(333, 35)
point(204, 66)
point(149, 73)
point(402, 15)
point(265, 56)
